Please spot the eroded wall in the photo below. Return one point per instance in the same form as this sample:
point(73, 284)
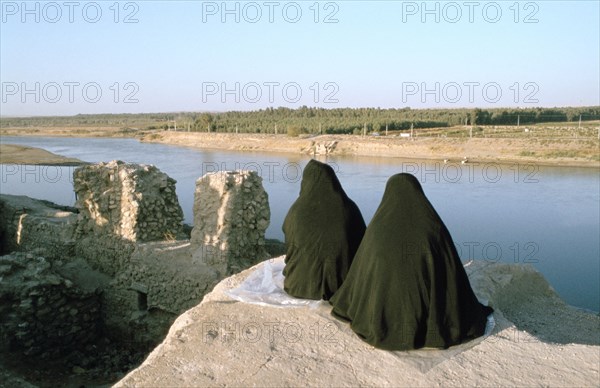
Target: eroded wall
point(43, 314)
point(127, 224)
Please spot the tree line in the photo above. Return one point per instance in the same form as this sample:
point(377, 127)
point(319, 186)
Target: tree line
point(317, 120)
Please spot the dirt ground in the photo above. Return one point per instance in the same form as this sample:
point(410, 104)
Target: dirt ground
point(15, 154)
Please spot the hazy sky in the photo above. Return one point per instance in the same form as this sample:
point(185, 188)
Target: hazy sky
point(69, 57)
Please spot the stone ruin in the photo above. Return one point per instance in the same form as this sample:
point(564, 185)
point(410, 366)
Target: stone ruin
point(126, 229)
point(121, 204)
point(320, 148)
point(42, 314)
point(28, 224)
point(130, 201)
point(231, 215)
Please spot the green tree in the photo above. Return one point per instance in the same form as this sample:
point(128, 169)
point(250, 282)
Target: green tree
point(204, 122)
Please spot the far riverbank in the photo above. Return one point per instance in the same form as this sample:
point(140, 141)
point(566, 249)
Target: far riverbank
point(550, 152)
point(572, 152)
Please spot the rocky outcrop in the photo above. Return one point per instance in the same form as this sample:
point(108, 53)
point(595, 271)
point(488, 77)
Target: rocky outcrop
point(222, 342)
point(318, 147)
point(231, 214)
point(325, 148)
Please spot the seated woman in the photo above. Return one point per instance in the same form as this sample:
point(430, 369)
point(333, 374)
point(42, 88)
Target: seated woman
point(407, 287)
point(323, 230)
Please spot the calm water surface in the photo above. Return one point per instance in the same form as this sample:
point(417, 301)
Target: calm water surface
point(546, 216)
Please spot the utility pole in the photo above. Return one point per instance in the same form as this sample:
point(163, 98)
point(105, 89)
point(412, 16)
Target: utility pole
point(518, 120)
point(579, 127)
point(411, 130)
point(365, 130)
point(386, 129)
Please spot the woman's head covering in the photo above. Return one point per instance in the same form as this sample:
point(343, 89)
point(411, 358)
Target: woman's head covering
point(407, 287)
point(323, 230)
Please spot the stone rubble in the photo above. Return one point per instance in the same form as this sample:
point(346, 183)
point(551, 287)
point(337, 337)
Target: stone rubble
point(43, 314)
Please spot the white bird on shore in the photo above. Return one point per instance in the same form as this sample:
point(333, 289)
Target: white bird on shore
point(465, 160)
point(445, 160)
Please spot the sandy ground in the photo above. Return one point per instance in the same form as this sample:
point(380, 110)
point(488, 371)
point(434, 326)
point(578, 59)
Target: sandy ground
point(538, 340)
point(16, 154)
point(79, 131)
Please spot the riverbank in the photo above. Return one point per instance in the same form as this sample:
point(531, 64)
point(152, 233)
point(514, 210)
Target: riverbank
point(552, 152)
point(17, 154)
point(575, 152)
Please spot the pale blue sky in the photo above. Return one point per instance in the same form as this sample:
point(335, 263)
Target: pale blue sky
point(179, 55)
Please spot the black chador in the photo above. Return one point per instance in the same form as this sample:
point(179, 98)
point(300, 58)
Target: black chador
point(407, 287)
point(323, 230)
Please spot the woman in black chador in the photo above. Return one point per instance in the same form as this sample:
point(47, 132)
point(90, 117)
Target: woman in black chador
point(407, 287)
point(323, 229)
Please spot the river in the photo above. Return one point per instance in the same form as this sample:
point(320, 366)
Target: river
point(548, 217)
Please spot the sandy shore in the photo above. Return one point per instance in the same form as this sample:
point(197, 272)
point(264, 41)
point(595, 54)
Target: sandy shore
point(16, 154)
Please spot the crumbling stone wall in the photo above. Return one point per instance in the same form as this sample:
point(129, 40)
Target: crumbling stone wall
point(131, 201)
point(27, 224)
point(155, 271)
point(43, 314)
point(231, 214)
point(121, 208)
point(159, 283)
point(121, 204)
point(104, 253)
